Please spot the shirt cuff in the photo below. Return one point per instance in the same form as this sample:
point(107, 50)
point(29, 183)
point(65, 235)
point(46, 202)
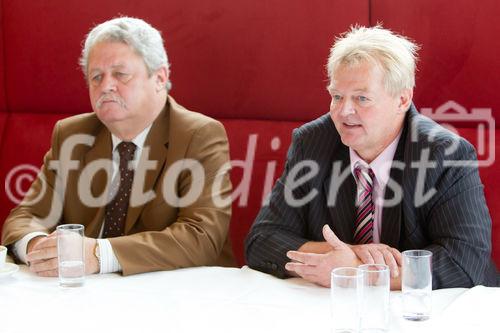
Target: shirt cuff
point(21, 245)
point(108, 263)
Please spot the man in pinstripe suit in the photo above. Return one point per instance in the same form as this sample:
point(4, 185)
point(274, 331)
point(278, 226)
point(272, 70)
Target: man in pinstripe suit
point(373, 178)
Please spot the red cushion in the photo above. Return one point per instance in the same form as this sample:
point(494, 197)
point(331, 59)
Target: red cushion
point(25, 141)
point(3, 103)
point(233, 59)
point(270, 140)
point(458, 59)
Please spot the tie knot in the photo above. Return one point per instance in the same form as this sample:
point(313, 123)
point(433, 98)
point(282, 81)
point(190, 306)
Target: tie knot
point(126, 150)
point(364, 176)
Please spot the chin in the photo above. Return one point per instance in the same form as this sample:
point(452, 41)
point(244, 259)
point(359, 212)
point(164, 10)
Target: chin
point(109, 117)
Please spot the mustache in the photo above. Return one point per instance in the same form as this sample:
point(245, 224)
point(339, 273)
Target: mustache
point(110, 98)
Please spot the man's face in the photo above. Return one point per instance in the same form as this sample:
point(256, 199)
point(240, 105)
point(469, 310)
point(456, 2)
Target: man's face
point(121, 91)
point(367, 118)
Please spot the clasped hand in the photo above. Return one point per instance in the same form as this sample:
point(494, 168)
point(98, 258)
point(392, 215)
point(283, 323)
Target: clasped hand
point(316, 267)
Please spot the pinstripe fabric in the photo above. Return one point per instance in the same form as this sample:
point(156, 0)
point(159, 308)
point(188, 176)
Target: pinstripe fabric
point(453, 223)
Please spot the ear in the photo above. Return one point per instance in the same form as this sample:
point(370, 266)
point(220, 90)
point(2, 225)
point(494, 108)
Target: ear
point(161, 77)
point(405, 98)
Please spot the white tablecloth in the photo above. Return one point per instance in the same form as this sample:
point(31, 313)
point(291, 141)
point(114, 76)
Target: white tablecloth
point(211, 299)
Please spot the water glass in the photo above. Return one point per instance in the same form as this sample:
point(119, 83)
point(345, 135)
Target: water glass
point(346, 289)
point(70, 253)
point(375, 308)
point(417, 284)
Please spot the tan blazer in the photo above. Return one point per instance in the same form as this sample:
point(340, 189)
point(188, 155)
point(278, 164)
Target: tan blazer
point(158, 236)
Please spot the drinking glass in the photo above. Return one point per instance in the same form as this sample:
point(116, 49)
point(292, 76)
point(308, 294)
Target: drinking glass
point(417, 284)
point(70, 253)
point(375, 308)
point(346, 288)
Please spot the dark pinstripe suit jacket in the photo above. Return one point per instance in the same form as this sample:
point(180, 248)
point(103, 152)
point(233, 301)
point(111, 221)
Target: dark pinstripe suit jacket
point(453, 223)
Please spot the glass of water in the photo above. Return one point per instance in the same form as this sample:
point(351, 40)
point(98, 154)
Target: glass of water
point(416, 284)
point(375, 302)
point(346, 289)
point(70, 253)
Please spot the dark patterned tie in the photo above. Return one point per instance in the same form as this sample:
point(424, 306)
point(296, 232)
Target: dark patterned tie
point(365, 211)
point(116, 210)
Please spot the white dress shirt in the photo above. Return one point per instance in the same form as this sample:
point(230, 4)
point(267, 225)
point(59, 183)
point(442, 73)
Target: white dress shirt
point(108, 261)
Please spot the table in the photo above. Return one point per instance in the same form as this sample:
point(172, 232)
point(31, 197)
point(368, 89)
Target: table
point(211, 299)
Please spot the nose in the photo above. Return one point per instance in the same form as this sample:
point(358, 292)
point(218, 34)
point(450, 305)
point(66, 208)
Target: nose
point(108, 83)
point(344, 107)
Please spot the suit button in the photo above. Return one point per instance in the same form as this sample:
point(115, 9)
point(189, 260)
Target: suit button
point(274, 266)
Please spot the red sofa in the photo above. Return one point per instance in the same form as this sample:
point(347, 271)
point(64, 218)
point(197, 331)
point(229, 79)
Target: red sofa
point(258, 66)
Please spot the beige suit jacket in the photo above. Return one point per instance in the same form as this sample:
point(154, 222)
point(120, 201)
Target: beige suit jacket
point(158, 235)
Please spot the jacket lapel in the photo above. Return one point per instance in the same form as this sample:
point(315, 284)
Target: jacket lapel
point(101, 150)
point(157, 144)
point(392, 215)
point(342, 211)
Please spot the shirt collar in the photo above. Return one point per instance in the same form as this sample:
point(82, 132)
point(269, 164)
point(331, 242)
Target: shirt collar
point(138, 140)
point(381, 165)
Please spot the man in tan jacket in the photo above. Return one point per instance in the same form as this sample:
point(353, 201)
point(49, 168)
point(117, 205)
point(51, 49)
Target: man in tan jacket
point(147, 178)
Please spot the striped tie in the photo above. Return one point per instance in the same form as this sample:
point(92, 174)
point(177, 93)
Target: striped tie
point(363, 233)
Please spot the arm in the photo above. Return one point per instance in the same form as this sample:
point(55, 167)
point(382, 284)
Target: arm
point(30, 215)
point(197, 236)
point(459, 224)
point(278, 227)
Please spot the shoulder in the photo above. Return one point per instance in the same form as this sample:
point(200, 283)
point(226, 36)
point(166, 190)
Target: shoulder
point(320, 127)
point(86, 123)
point(189, 121)
point(425, 133)
point(315, 136)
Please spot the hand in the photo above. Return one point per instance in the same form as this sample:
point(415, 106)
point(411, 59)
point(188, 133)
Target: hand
point(42, 256)
point(379, 254)
point(316, 267)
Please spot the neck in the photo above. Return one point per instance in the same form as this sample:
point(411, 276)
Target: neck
point(369, 155)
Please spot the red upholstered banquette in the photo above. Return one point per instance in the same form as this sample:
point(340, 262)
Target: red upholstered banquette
point(258, 66)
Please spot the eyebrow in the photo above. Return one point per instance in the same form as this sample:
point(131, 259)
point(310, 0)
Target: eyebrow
point(364, 90)
point(97, 69)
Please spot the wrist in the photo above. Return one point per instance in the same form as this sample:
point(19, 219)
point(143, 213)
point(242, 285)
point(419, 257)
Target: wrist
point(97, 255)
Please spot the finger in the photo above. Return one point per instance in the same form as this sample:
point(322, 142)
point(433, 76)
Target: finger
point(44, 265)
point(391, 262)
point(48, 241)
point(331, 238)
point(43, 254)
point(307, 277)
point(378, 256)
point(301, 269)
point(397, 255)
point(51, 273)
point(363, 254)
point(303, 257)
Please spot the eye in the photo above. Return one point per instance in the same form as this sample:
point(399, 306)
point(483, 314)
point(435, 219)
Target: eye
point(122, 76)
point(96, 78)
point(363, 99)
point(336, 98)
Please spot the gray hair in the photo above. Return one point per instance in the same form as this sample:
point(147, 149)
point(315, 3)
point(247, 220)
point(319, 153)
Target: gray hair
point(395, 54)
point(145, 40)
